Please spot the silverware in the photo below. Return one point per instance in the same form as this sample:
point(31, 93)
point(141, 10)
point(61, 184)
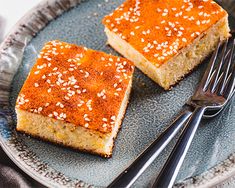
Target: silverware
point(130, 174)
point(213, 92)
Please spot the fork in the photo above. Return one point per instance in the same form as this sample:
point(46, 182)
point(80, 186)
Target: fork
point(141, 163)
point(214, 90)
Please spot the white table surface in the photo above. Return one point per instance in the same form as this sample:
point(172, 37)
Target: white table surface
point(12, 10)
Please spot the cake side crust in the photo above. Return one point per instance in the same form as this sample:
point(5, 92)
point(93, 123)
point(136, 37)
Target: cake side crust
point(69, 135)
point(180, 65)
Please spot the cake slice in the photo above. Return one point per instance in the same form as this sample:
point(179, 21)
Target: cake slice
point(75, 97)
point(166, 39)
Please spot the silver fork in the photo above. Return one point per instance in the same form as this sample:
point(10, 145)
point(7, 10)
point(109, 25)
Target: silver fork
point(126, 178)
point(214, 90)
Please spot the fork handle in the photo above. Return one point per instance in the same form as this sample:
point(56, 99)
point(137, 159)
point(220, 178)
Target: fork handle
point(169, 172)
point(129, 175)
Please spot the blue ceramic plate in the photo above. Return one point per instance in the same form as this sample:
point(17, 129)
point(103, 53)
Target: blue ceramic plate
point(211, 157)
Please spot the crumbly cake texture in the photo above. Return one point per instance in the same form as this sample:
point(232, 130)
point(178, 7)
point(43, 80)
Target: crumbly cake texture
point(157, 31)
point(77, 89)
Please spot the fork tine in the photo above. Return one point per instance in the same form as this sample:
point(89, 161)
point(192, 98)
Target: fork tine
point(214, 80)
point(207, 75)
point(226, 72)
point(214, 71)
point(230, 86)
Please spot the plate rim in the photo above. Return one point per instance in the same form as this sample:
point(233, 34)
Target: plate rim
point(23, 166)
point(20, 35)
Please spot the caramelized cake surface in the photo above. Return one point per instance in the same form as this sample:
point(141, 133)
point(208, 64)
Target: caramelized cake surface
point(159, 29)
point(76, 85)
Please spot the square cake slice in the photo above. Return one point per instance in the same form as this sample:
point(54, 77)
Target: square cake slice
point(166, 39)
point(75, 97)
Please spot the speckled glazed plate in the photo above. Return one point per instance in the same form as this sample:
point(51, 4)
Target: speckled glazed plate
point(210, 160)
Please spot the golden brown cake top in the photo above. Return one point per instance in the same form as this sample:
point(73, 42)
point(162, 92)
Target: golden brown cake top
point(76, 85)
point(159, 29)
